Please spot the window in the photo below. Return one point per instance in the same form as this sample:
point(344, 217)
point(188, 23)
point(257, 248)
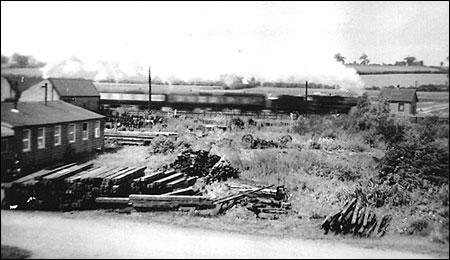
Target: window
point(41, 137)
point(26, 144)
point(97, 128)
point(71, 133)
point(401, 107)
point(4, 146)
point(57, 135)
point(85, 130)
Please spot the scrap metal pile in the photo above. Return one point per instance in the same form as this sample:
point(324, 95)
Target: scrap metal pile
point(250, 142)
point(357, 219)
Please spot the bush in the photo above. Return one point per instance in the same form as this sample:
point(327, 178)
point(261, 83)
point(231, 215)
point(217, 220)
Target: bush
point(420, 227)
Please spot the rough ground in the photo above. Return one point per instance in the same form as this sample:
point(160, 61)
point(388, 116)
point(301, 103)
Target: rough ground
point(92, 235)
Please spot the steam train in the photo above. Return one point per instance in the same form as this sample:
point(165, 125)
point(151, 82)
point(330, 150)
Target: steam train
point(223, 101)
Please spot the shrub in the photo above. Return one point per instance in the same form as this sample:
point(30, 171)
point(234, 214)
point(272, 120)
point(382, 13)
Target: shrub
point(419, 227)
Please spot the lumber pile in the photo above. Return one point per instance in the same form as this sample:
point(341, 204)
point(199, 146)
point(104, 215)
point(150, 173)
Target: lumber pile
point(265, 202)
point(203, 164)
point(134, 137)
point(167, 181)
point(357, 219)
point(71, 186)
point(168, 202)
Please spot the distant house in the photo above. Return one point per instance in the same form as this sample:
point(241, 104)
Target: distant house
point(36, 134)
point(401, 101)
point(79, 92)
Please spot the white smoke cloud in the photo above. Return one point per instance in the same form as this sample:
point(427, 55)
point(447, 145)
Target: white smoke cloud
point(276, 68)
point(74, 67)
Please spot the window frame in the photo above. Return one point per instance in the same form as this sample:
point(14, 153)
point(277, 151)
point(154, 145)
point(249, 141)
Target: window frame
point(57, 137)
point(28, 140)
point(69, 133)
point(41, 146)
point(85, 133)
point(401, 107)
point(97, 129)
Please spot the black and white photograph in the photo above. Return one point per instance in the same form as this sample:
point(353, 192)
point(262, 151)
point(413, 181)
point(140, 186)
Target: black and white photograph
point(224, 129)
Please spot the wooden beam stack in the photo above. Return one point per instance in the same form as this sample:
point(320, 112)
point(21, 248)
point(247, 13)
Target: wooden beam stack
point(357, 219)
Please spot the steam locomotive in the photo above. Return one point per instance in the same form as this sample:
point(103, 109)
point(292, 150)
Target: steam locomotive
point(222, 101)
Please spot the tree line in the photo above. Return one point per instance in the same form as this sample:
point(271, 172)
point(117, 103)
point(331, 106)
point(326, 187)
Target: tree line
point(17, 60)
point(364, 60)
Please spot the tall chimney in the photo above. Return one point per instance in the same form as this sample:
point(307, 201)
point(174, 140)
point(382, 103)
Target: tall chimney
point(149, 89)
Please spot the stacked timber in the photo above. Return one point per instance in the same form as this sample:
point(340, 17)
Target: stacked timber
point(357, 219)
point(168, 202)
point(203, 164)
point(266, 203)
point(163, 181)
point(134, 137)
point(71, 186)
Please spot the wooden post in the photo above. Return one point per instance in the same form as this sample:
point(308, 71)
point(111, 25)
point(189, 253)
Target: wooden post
point(149, 90)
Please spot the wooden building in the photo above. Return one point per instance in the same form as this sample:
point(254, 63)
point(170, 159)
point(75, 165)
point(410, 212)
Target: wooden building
point(43, 133)
point(79, 92)
point(401, 101)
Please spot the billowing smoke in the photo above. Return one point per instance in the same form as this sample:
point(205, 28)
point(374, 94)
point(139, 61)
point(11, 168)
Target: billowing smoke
point(115, 71)
point(241, 73)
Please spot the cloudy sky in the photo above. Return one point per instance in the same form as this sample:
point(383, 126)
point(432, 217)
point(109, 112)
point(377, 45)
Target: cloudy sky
point(203, 39)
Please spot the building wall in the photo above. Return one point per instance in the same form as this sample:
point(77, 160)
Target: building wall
point(37, 92)
point(51, 153)
point(408, 108)
point(6, 92)
point(7, 158)
point(89, 103)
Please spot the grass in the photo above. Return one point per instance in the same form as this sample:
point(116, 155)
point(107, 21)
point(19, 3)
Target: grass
point(320, 173)
point(12, 252)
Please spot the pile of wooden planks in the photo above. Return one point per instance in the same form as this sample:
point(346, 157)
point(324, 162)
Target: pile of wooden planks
point(203, 164)
point(167, 181)
point(168, 202)
point(357, 219)
point(71, 186)
point(266, 203)
point(135, 137)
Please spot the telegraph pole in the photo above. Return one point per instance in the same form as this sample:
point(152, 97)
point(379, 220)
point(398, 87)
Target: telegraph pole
point(149, 90)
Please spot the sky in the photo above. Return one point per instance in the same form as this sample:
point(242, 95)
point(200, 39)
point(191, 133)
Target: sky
point(270, 40)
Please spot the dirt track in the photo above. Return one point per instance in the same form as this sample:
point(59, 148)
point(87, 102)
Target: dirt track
point(62, 235)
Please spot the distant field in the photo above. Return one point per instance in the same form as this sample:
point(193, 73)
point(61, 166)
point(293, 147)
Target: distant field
point(29, 72)
point(396, 69)
point(404, 80)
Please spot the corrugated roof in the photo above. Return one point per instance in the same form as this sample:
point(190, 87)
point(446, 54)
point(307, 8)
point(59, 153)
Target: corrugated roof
point(21, 83)
point(37, 113)
point(75, 87)
point(7, 131)
point(399, 95)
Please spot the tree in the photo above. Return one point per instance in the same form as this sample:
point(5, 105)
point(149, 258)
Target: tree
point(410, 60)
point(25, 61)
point(20, 61)
point(5, 59)
point(364, 59)
point(339, 58)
